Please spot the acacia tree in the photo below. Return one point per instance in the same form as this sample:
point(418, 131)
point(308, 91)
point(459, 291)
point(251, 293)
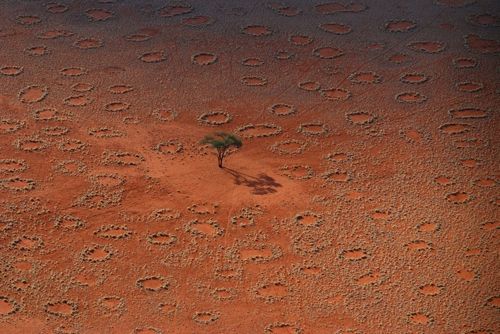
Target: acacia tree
point(222, 142)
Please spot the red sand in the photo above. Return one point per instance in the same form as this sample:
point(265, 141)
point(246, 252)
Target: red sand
point(364, 198)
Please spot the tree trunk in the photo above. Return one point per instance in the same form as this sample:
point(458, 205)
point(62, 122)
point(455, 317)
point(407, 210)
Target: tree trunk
point(221, 154)
point(219, 159)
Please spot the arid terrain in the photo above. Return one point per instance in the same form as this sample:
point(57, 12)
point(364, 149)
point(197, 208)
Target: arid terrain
point(364, 199)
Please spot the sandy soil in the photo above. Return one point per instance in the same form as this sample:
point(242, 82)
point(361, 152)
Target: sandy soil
point(364, 199)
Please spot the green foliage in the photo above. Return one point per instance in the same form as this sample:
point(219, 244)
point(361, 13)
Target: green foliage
point(222, 141)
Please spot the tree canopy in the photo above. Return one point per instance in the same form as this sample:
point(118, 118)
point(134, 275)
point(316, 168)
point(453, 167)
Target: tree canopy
point(222, 142)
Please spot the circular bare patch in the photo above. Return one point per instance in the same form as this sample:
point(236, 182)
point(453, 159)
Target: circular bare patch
point(252, 62)
point(105, 132)
point(310, 86)
point(203, 208)
point(55, 131)
point(336, 176)
point(494, 302)
point(10, 125)
point(153, 57)
point(117, 106)
point(469, 86)
point(468, 112)
point(120, 89)
point(98, 14)
point(82, 87)
point(88, 43)
point(12, 165)
point(259, 130)
point(455, 128)
point(72, 145)
point(282, 109)
point(354, 254)
point(284, 55)
point(31, 144)
point(419, 318)
point(399, 58)
point(122, 158)
point(113, 232)
point(455, 3)
point(336, 28)
point(484, 20)
point(290, 146)
point(164, 114)
point(73, 71)
point(8, 306)
point(414, 78)
point(215, 118)
point(70, 167)
point(107, 180)
point(300, 39)
point(283, 327)
point(147, 330)
point(205, 229)
point(169, 147)
point(153, 283)
point(316, 128)
point(28, 20)
point(254, 81)
point(56, 8)
point(256, 30)
point(360, 118)
point(308, 219)
point(131, 120)
point(400, 26)
point(69, 222)
point(11, 71)
point(327, 52)
point(17, 184)
point(463, 62)
point(162, 239)
point(297, 172)
point(64, 308)
point(37, 51)
point(204, 58)
point(54, 34)
point(33, 94)
point(411, 97)
point(97, 253)
point(198, 21)
point(329, 8)
point(47, 114)
point(77, 101)
point(338, 157)
point(427, 46)
point(27, 243)
point(365, 78)
point(459, 197)
point(138, 37)
point(284, 10)
point(206, 317)
point(175, 10)
point(336, 94)
point(310, 242)
point(271, 291)
point(112, 304)
point(164, 214)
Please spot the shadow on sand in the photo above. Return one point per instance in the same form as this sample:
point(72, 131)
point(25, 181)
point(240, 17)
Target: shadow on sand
point(262, 184)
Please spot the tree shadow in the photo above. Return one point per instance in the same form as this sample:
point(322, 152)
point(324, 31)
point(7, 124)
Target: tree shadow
point(262, 184)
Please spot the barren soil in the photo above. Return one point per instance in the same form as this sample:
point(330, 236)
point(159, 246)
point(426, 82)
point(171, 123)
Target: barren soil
point(364, 199)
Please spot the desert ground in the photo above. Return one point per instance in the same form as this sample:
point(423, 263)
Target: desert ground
point(364, 198)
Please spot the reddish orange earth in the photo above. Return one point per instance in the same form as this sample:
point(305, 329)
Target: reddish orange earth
point(364, 199)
